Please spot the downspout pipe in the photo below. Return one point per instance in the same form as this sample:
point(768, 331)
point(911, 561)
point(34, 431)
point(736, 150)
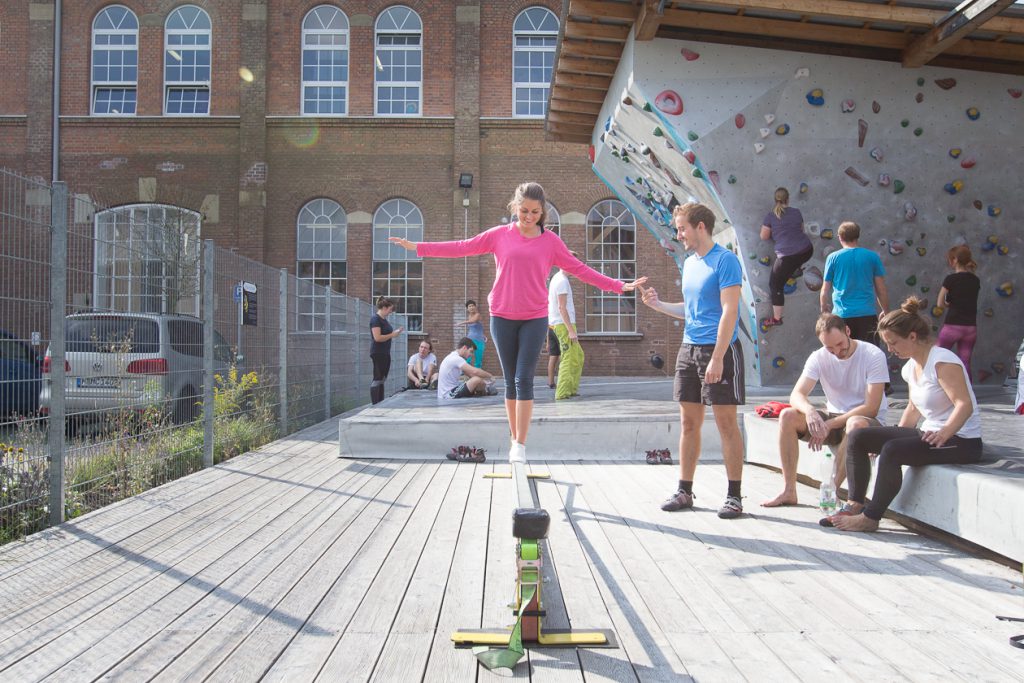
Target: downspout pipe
point(55, 142)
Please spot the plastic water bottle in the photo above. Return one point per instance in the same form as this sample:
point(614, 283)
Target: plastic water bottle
point(827, 491)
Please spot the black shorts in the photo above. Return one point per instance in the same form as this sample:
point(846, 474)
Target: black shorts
point(836, 435)
point(691, 363)
point(461, 391)
point(554, 348)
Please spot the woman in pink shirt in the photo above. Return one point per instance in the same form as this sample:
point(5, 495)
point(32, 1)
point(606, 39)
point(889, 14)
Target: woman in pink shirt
point(524, 253)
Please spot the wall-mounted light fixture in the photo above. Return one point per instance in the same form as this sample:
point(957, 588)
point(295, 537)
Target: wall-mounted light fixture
point(465, 180)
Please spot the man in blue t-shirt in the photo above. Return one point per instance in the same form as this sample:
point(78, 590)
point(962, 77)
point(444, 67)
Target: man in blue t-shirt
point(854, 286)
point(709, 367)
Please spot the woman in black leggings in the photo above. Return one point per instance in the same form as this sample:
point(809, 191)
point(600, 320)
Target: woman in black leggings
point(940, 394)
point(785, 226)
point(381, 335)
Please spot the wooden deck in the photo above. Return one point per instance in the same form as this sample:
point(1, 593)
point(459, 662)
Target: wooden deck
point(291, 564)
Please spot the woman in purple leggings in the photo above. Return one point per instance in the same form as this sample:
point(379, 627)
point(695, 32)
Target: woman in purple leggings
point(959, 294)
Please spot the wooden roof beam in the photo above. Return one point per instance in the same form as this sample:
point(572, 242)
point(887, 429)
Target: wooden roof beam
point(579, 48)
point(602, 9)
point(576, 106)
point(583, 120)
point(952, 30)
point(579, 94)
point(649, 18)
point(581, 30)
point(590, 82)
point(581, 65)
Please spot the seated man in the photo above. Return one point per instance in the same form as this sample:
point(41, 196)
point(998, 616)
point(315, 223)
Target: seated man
point(853, 375)
point(422, 368)
point(449, 383)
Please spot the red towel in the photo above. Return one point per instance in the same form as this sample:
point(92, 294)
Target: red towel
point(771, 409)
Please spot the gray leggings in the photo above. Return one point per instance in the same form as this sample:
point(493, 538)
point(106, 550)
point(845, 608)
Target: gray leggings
point(518, 343)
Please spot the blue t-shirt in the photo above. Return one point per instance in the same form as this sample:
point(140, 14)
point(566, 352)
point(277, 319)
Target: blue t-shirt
point(852, 272)
point(703, 282)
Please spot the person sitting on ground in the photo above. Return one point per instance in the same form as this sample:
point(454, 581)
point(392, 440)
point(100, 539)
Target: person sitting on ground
point(422, 368)
point(853, 375)
point(449, 382)
point(940, 393)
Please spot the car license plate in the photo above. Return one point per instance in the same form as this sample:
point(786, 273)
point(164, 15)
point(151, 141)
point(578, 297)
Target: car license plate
point(98, 382)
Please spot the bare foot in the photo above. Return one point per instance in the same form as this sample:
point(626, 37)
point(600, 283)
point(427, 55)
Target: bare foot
point(855, 523)
point(784, 498)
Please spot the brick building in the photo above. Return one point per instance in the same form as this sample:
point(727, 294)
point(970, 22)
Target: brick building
point(303, 133)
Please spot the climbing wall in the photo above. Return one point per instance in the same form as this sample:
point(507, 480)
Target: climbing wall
point(922, 159)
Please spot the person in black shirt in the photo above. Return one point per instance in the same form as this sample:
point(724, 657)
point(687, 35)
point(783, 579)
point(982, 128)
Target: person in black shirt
point(959, 294)
point(381, 334)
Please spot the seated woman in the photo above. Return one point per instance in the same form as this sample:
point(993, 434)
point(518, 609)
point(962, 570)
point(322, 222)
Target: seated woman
point(940, 393)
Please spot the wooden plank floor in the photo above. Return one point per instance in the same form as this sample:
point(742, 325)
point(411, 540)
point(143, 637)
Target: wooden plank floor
point(289, 564)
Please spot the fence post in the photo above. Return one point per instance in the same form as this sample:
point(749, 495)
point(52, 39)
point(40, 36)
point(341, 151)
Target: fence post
point(327, 355)
point(282, 352)
point(58, 306)
point(208, 289)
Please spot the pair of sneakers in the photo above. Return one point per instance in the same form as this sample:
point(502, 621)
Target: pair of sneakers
point(682, 500)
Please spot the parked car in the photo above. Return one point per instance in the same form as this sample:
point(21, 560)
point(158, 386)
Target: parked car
point(19, 376)
point(133, 360)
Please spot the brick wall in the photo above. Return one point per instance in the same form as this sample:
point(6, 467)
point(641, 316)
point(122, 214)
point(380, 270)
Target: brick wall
point(255, 161)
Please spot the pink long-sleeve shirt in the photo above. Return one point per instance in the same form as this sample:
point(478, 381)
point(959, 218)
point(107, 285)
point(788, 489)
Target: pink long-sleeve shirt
point(522, 264)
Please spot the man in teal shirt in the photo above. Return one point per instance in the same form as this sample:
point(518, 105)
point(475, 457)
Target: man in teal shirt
point(854, 286)
point(709, 367)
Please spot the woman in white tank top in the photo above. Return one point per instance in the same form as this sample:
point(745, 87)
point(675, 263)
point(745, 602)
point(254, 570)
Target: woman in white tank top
point(940, 424)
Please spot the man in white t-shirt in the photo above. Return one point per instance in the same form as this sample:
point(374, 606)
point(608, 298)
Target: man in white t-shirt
point(449, 378)
point(853, 375)
point(422, 368)
point(562, 321)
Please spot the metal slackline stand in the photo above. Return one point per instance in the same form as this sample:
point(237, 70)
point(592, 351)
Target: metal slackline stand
point(529, 525)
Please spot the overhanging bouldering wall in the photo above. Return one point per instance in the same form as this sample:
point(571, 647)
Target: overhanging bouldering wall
point(922, 159)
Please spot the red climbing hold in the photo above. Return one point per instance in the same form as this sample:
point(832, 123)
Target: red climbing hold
point(741, 120)
point(689, 55)
point(669, 102)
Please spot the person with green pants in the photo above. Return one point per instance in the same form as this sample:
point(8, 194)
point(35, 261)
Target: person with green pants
point(562, 319)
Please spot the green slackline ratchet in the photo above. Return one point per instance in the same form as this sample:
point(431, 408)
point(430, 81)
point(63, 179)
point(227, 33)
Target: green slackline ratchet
point(529, 577)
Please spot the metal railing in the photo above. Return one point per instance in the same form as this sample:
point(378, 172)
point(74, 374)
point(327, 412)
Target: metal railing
point(132, 353)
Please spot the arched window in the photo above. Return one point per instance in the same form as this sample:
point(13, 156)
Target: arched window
point(611, 249)
point(534, 35)
point(115, 61)
point(321, 247)
point(325, 62)
point(397, 273)
point(187, 37)
point(399, 63)
point(553, 221)
point(147, 259)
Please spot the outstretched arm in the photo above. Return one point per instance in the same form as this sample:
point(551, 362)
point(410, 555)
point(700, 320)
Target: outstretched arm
point(649, 296)
point(474, 246)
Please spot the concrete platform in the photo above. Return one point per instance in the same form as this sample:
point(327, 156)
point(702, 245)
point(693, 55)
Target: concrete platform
point(612, 419)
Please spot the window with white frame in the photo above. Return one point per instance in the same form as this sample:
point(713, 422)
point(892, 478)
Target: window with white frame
point(553, 220)
point(325, 62)
point(187, 49)
point(397, 273)
point(534, 35)
point(611, 249)
point(321, 249)
point(147, 259)
point(398, 63)
point(115, 61)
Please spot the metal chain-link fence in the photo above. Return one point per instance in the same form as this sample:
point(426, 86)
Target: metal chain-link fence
point(132, 352)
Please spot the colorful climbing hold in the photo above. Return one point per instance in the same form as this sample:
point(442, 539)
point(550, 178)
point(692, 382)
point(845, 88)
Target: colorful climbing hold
point(895, 247)
point(937, 311)
point(876, 107)
point(669, 102)
point(690, 156)
point(988, 312)
point(764, 132)
point(898, 186)
point(970, 162)
point(919, 97)
point(769, 119)
point(689, 55)
point(998, 368)
point(1015, 93)
point(731, 179)
point(590, 153)
point(827, 234)
point(925, 290)
point(802, 72)
point(1005, 289)
point(973, 113)
point(764, 260)
point(758, 147)
point(918, 132)
point(789, 287)
point(909, 243)
point(627, 100)
point(920, 81)
point(813, 278)
point(740, 120)
point(804, 188)
point(950, 218)
point(1003, 250)
point(994, 210)
point(778, 362)
point(648, 107)
point(955, 152)
point(816, 97)
point(691, 136)
point(697, 173)
point(884, 179)
point(846, 106)
point(909, 212)
point(713, 176)
point(954, 187)
point(977, 204)
point(857, 175)
point(658, 132)
point(782, 130)
point(946, 83)
point(877, 154)
point(911, 281)
point(862, 131)
point(905, 122)
point(921, 251)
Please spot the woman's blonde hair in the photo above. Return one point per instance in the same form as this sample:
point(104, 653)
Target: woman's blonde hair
point(961, 256)
point(781, 201)
point(532, 191)
point(905, 320)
